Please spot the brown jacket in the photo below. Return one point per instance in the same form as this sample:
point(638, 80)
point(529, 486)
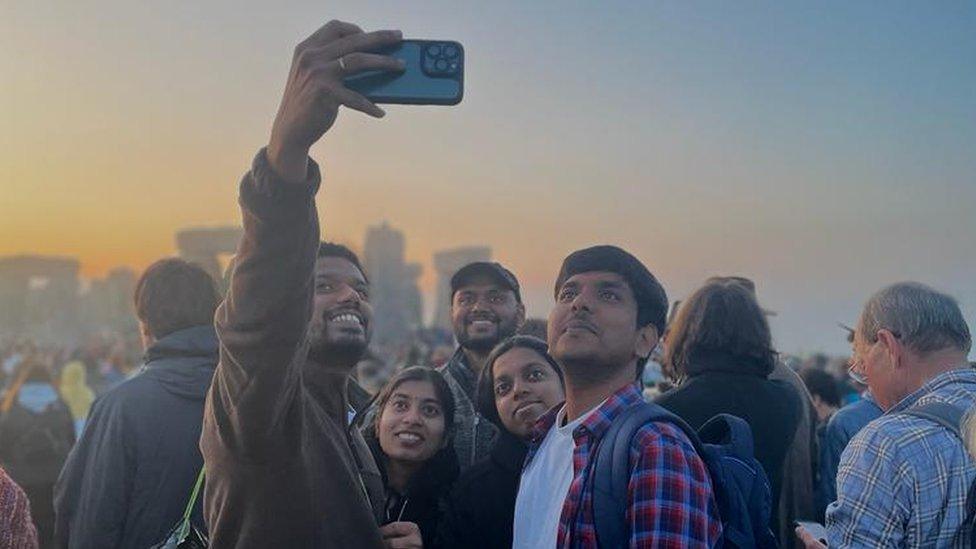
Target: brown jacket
point(283, 469)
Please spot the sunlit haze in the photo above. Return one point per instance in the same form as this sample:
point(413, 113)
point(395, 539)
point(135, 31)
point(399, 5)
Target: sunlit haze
point(823, 149)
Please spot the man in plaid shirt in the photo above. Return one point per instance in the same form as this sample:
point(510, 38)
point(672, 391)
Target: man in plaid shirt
point(609, 313)
point(903, 479)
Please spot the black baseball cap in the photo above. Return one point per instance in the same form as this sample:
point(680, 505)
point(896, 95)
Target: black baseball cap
point(490, 269)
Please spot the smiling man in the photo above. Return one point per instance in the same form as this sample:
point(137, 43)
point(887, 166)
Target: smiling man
point(486, 308)
point(283, 467)
point(609, 313)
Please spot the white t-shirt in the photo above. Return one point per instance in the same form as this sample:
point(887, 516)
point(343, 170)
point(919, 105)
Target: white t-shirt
point(544, 485)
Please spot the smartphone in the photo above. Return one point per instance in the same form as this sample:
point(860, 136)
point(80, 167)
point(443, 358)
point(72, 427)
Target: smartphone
point(434, 75)
point(816, 529)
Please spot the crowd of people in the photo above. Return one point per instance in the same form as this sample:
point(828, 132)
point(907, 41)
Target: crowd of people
point(620, 420)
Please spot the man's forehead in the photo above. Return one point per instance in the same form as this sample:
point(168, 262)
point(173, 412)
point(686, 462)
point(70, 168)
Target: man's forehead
point(338, 267)
point(481, 283)
point(597, 277)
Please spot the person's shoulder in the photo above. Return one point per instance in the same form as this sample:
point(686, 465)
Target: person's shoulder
point(655, 435)
point(885, 435)
point(129, 395)
point(449, 376)
point(854, 414)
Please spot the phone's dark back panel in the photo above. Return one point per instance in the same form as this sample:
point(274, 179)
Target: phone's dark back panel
point(434, 75)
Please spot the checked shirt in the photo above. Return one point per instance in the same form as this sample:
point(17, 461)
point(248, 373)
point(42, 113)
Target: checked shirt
point(671, 502)
point(903, 480)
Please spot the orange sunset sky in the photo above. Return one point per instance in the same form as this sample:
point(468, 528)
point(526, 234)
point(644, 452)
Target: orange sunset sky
point(824, 150)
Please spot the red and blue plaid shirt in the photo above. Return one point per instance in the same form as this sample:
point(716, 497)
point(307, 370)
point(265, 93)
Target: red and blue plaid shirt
point(670, 492)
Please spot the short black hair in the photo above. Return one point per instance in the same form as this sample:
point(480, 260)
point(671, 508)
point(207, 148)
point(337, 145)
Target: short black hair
point(652, 300)
point(174, 294)
point(823, 385)
point(331, 249)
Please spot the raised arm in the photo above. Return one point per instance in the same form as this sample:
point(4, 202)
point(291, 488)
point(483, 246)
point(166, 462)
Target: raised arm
point(263, 321)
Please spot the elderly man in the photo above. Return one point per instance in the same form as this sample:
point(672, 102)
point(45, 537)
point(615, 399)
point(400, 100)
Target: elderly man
point(904, 478)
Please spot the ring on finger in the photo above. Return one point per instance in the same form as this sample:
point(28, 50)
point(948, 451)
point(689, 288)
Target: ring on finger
point(342, 63)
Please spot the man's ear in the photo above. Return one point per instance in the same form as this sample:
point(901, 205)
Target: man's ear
point(145, 335)
point(520, 316)
point(892, 347)
point(647, 337)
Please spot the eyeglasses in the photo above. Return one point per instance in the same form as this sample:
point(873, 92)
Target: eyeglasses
point(855, 373)
point(855, 369)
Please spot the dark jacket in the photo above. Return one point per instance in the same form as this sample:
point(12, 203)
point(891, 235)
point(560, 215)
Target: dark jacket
point(718, 384)
point(796, 499)
point(283, 467)
point(421, 504)
point(34, 443)
point(128, 480)
point(479, 513)
point(36, 436)
point(473, 434)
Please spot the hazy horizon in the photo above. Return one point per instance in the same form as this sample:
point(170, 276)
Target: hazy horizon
point(824, 150)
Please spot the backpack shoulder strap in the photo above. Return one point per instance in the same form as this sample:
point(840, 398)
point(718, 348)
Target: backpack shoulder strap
point(946, 415)
point(611, 469)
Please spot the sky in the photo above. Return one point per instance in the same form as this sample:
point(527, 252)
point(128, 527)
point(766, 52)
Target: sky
point(823, 149)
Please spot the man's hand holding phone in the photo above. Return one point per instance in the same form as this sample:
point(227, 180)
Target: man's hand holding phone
point(401, 535)
point(812, 535)
point(315, 89)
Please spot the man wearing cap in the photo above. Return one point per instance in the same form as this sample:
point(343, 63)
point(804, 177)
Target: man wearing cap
point(486, 307)
point(608, 316)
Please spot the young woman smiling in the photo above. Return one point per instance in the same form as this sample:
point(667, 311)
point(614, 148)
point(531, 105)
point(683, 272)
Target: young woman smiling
point(520, 383)
point(410, 441)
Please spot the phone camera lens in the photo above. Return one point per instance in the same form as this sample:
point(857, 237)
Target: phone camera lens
point(433, 50)
point(450, 51)
point(440, 65)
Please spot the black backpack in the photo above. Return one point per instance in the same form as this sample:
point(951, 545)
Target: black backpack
point(724, 443)
point(35, 445)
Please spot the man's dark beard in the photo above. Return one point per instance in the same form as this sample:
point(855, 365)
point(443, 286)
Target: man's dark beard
point(478, 345)
point(336, 353)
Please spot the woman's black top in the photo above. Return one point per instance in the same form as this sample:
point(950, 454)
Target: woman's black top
point(480, 510)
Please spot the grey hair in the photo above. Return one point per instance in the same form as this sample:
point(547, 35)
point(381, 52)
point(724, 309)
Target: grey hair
point(925, 320)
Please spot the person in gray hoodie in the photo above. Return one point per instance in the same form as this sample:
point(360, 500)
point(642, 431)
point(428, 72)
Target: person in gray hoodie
point(128, 480)
point(486, 308)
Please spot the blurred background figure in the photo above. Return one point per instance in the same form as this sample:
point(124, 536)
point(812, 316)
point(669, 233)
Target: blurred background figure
point(825, 393)
point(76, 393)
point(36, 434)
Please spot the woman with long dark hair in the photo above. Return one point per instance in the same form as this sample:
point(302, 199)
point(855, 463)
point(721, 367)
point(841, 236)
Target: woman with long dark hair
point(410, 440)
point(519, 383)
point(720, 351)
